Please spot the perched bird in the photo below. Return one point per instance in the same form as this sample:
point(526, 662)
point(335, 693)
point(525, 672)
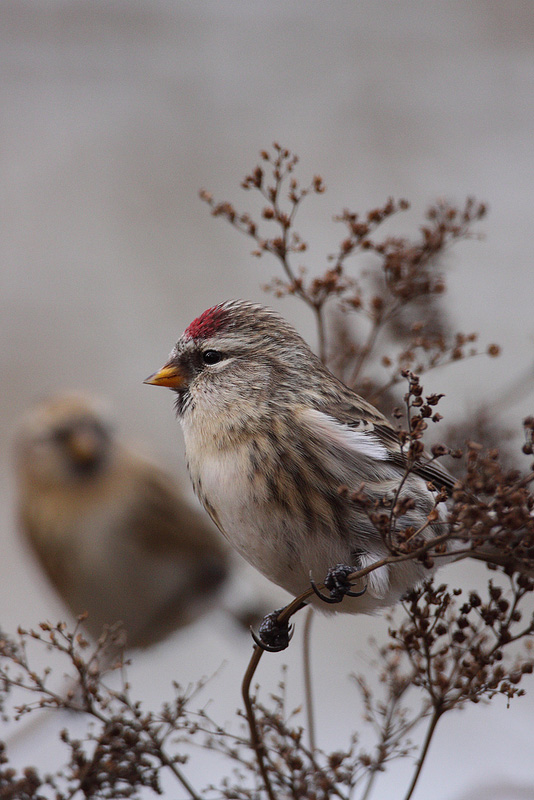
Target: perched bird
point(271, 436)
point(110, 528)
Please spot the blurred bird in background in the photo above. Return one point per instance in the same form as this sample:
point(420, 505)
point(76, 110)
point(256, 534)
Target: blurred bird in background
point(110, 528)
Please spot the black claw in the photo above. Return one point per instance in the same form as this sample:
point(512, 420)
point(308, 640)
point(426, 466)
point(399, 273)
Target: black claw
point(337, 584)
point(324, 597)
point(273, 636)
point(357, 594)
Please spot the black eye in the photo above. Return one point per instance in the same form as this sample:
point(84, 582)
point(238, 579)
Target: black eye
point(211, 356)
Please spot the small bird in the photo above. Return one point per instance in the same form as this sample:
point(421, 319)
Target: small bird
point(110, 528)
point(271, 436)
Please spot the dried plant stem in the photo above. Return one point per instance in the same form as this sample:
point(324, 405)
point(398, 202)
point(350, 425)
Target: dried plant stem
point(321, 333)
point(361, 573)
point(438, 711)
point(308, 691)
point(178, 774)
point(365, 350)
point(317, 307)
point(283, 617)
point(370, 783)
point(422, 369)
point(255, 738)
point(377, 325)
point(386, 733)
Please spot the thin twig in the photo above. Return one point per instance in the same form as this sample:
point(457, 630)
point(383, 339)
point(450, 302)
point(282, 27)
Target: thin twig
point(430, 732)
point(365, 350)
point(421, 369)
point(388, 734)
point(255, 738)
point(321, 333)
point(308, 692)
point(177, 772)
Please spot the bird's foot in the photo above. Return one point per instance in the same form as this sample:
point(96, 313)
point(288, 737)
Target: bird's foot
point(338, 584)
point(273, 636)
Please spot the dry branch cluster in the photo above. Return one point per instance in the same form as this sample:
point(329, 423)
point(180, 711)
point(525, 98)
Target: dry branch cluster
point(380, 327)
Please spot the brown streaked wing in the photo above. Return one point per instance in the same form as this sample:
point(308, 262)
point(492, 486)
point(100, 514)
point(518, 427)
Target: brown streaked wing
point(362, 416)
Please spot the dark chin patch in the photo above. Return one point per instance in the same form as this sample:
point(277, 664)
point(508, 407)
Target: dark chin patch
point(89, 467)
point(183, 400)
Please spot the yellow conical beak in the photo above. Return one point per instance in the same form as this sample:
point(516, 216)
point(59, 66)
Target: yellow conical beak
point(169, 375)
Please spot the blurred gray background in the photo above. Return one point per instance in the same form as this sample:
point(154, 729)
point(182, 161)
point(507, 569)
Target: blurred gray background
point(114, 114)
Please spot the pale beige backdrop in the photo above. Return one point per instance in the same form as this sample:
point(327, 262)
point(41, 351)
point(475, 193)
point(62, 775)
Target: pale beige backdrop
point(114, 114)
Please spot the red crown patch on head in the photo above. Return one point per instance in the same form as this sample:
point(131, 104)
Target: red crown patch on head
point(208, 324)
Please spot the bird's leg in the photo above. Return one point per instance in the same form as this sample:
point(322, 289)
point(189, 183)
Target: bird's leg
point(273, 635)
point(338, 584)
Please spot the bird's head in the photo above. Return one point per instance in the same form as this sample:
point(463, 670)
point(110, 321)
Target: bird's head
point(236, 351)
point(63, 441)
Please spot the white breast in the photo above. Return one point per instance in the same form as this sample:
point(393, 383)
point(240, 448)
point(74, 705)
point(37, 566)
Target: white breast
point(268, 536)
